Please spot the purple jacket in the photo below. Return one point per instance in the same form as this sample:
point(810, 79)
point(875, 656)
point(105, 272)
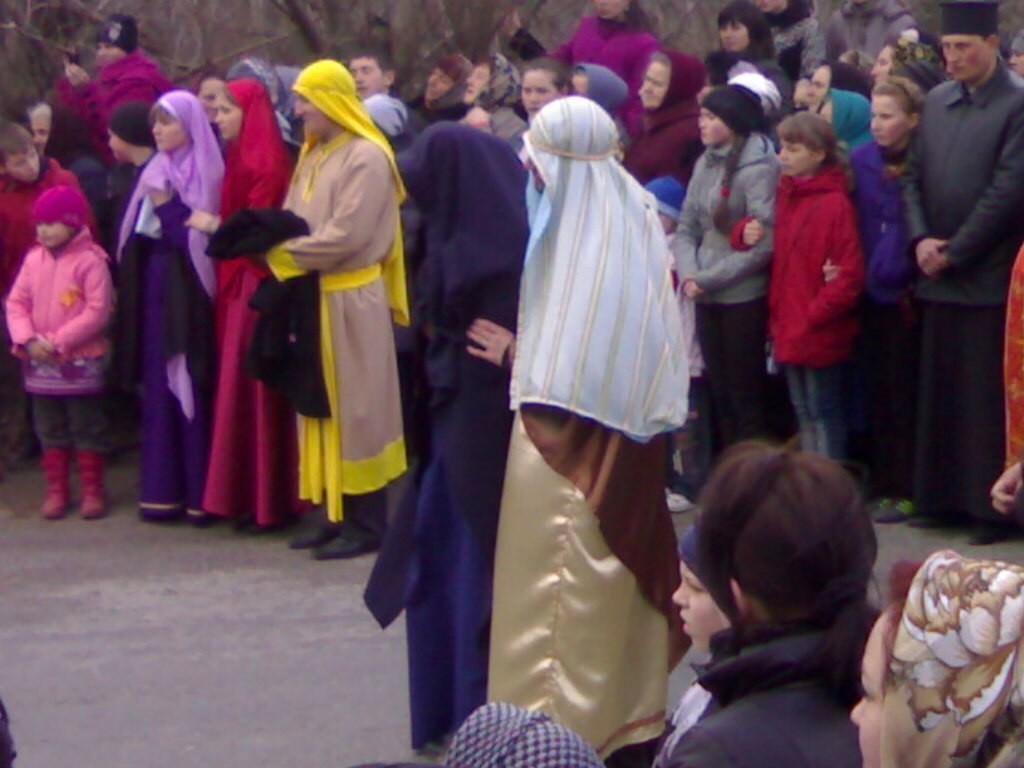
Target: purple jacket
point(883, 227)
point(626, 52)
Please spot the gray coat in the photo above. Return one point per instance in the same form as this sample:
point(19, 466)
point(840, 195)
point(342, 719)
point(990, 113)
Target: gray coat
point(868, 26)
point(965, 184)
point(728, 276)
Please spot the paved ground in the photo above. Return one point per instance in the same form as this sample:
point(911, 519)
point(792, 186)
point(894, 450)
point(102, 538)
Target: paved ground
point(125, 645)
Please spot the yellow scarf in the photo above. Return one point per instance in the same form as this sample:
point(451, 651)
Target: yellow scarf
point(329, 87)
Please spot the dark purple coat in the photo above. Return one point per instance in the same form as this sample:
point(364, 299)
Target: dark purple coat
point(890, 271)
point(612, 44)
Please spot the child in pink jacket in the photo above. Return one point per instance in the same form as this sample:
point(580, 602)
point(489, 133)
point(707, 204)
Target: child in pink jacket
point(57, 309)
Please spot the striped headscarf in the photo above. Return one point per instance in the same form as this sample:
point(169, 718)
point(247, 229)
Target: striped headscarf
point(599, 328)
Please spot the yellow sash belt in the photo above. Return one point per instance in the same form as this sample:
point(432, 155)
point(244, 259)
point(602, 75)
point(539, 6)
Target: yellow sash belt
point(321, 466)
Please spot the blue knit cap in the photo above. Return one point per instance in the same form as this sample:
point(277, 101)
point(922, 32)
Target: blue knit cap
point(670, 193)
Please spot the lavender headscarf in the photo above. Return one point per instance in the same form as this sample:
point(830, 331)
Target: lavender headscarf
point(195, 173)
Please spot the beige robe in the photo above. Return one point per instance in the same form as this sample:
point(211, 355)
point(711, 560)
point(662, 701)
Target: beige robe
point(353, 214)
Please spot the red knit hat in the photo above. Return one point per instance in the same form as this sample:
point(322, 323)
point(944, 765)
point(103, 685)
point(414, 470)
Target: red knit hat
point(61, 205)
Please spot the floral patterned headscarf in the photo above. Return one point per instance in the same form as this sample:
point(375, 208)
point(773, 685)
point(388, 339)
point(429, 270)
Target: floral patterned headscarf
point(503, 86)
point(956, 695)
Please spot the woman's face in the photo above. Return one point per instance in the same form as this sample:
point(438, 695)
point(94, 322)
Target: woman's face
point(169, 134)
point(1017, 63)
point(209, 90)
point(41, 124)
point(883, 66)
point(228, 117)
point(772, 6)
point(655, 87)
point(820, 84)
point(867, 715)
point(477, 82)
point(713, 132)
point(438, 84)
point(735, 38)
point(890, 125)
point(611, 9)
point(314, 121)
point(702, 618)
point(538, 91)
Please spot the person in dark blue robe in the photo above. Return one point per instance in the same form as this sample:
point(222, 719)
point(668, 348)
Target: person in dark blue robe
point(438, 560)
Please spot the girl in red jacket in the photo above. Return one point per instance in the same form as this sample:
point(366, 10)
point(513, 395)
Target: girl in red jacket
point(817, 275)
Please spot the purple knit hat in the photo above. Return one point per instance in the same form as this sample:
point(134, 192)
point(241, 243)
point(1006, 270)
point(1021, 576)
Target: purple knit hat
point(61, 205)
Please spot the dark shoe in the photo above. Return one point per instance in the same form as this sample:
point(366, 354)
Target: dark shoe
point(989, 533)
point(316, 537)
point(201, 519)
point(345, 546)
point(888, 511)
point(929, 523)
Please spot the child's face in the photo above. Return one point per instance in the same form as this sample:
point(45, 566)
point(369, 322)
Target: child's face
point(701, 617)
point(23, 166)
point(799, 159)
point(668, 224)
point(54, 235)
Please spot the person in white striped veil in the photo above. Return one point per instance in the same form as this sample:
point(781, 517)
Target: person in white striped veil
point(584, 628)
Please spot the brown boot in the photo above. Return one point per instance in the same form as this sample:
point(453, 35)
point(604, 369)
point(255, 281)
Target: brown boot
point(56, 465)
point(90, 479)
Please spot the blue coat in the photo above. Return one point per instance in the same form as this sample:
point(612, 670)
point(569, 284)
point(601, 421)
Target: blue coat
point(890, 268)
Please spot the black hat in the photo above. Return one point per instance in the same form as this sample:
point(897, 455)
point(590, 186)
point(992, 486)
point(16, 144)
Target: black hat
point(120, 31)
point(130, 123)
point(970, 18)
point(737, 107)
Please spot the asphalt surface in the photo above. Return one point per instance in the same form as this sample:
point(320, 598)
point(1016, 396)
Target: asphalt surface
point(125, 645)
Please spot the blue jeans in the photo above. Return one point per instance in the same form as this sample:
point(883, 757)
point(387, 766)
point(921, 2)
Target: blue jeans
point(817, 396)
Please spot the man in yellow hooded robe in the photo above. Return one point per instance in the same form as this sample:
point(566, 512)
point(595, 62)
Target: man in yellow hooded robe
point(347, 188)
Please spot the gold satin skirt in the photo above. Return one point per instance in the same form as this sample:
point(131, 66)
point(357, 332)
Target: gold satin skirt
point(571, 634)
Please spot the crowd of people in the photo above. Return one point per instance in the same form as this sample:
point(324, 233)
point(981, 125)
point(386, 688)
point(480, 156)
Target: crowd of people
point(574, 289)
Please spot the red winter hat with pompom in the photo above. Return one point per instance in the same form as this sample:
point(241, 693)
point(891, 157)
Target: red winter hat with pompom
point(61, 205)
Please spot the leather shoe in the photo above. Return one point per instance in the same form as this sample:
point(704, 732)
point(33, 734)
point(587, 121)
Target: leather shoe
point(346, 546)
point(987, 533)
point(323, 534)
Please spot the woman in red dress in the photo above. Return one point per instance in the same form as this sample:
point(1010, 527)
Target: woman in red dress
point(252, 476)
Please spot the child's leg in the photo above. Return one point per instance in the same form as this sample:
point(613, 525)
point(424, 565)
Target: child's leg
point(90, 424)
point(50, 419)
point(825, 400)
point(90, 428)
point(51, 422)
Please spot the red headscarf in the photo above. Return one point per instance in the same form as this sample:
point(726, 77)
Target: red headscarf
point(258, 166)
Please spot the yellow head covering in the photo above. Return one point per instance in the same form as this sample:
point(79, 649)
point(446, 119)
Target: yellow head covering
point(329, 87)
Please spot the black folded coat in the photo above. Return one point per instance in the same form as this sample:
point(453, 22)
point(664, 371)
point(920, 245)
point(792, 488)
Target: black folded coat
point(285, 349)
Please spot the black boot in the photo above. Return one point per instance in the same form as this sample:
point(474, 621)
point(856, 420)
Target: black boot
point(350, 542)
point(316, 531)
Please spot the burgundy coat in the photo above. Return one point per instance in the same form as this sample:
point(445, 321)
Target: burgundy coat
point(812, 322)
point(134, 77)
point(669, 144)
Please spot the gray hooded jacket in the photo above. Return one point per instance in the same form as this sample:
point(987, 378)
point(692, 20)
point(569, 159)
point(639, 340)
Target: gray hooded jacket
point(728, 276)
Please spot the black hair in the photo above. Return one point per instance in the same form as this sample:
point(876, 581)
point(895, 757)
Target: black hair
point(745, 14)
point(636, 17)
point(560, 74)
point(383, 59)
point(792, 531)
point(7, 750)
point(720, 215)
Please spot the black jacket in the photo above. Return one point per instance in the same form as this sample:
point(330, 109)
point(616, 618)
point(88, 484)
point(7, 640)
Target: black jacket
point(770, 710)
point(965, 183)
